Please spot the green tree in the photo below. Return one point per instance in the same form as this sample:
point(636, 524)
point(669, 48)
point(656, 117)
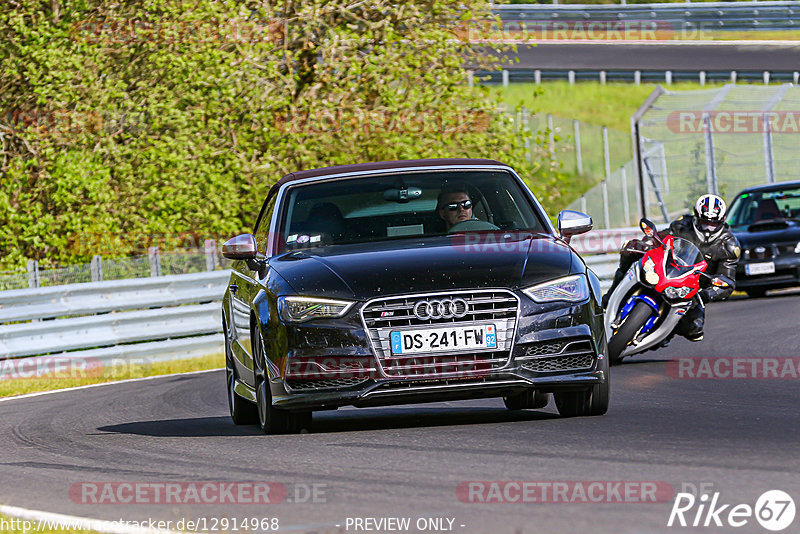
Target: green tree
point(124, 120)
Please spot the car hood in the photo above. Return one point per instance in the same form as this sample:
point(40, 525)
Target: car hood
point(364, 271)
point(767, 233)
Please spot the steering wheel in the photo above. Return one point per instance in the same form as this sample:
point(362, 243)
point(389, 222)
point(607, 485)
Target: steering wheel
point(472, 225)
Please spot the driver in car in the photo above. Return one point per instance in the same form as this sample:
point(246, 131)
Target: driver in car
point(454, 205)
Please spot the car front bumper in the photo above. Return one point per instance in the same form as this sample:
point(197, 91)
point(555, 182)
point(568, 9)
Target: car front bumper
point(787, 274)
point(555, 349)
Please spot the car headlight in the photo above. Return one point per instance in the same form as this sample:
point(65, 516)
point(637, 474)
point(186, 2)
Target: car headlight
point(573, 288)
point(301, 309)
point(677, 292)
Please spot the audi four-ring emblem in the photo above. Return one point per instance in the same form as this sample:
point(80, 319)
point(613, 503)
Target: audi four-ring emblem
point(440, 309)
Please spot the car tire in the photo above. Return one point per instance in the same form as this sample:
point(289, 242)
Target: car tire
point(756, 293)
point(627, 330)
point(243, 412)
point(273, 420)
point(530, 399)
point(591, 402)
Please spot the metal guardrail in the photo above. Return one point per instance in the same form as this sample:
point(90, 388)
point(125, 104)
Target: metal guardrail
point(158, 318)
point(666, 76)
point(675, 16)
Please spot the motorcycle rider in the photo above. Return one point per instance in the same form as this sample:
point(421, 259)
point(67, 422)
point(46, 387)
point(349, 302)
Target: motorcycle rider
point(720, 248)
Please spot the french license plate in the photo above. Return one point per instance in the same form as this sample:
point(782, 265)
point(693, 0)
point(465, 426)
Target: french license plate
point(444, 339)
point(760, 268)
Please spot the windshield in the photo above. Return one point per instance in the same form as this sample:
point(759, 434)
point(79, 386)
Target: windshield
point(682, 257)
point(750, 208)
point(405, 205)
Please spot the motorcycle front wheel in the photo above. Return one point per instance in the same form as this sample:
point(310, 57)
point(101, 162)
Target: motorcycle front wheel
point(623, 336)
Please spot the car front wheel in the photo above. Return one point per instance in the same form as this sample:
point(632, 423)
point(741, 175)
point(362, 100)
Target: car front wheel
point(593, 401)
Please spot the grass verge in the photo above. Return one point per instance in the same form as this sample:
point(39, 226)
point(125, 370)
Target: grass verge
point(21, 386)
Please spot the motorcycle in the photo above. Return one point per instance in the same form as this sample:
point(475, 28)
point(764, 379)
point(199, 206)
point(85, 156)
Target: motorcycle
point(655, 294)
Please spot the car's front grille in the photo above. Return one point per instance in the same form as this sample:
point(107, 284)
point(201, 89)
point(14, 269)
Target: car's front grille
point(560, 363)
point(571, 354)
point(324, 383)
point(496, 306)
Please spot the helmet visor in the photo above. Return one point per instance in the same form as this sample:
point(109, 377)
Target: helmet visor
point(709, 226)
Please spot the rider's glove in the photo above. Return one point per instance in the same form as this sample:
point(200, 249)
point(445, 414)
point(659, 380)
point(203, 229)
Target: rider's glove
point(705, 295)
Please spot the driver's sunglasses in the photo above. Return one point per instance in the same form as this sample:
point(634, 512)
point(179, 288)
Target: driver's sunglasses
point(465, 205)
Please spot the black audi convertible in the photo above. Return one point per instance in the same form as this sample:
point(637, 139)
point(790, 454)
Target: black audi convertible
point(407, 282)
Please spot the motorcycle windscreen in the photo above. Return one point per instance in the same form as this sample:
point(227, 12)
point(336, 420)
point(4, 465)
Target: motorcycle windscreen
point(682, 258)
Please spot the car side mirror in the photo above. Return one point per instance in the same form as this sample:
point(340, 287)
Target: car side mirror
point(241, 247)
point(572, 223)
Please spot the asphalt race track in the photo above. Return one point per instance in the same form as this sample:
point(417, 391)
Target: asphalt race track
point(669, 55)
point(737, 437)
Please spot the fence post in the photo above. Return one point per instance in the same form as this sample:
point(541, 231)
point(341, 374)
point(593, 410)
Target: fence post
point(578, 156)
point(210, 247)
point(711, 164)
point(769, 162)
point(606, 218)
point(470, 78)
point(155, 261)
point(606, 153)
point(33, 274)
point(583, 204)
point(505, 78)
point(551, 135)
point(625, 208)
point(97, 269)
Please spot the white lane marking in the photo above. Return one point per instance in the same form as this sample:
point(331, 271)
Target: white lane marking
point(89, 386)
point(71, 522)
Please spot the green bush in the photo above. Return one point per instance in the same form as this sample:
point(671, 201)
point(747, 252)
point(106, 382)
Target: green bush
point(127, 120)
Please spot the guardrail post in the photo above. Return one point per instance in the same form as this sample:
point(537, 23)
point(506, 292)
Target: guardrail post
point(606, 153)
point(795, 77)
point(33, 274)
point(766, 77)
point(537, 76)
point(733, 76)
point(505, 78)
point(668, 77)
point(576, 128)
point(637, 77)
point(625, 208)
point(97, 269)
point(210, 247)
point(702, 77)
point(571, 77)
point(155, 261)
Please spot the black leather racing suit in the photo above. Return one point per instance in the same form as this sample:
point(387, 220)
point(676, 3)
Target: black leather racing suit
point(721, 253)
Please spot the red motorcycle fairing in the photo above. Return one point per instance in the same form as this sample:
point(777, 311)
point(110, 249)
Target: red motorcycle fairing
point(688, 276)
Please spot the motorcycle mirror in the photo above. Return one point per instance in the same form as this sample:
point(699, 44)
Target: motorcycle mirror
point(647, 227)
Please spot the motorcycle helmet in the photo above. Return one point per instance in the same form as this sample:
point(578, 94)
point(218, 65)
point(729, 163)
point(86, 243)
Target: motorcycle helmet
point(709, 217)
